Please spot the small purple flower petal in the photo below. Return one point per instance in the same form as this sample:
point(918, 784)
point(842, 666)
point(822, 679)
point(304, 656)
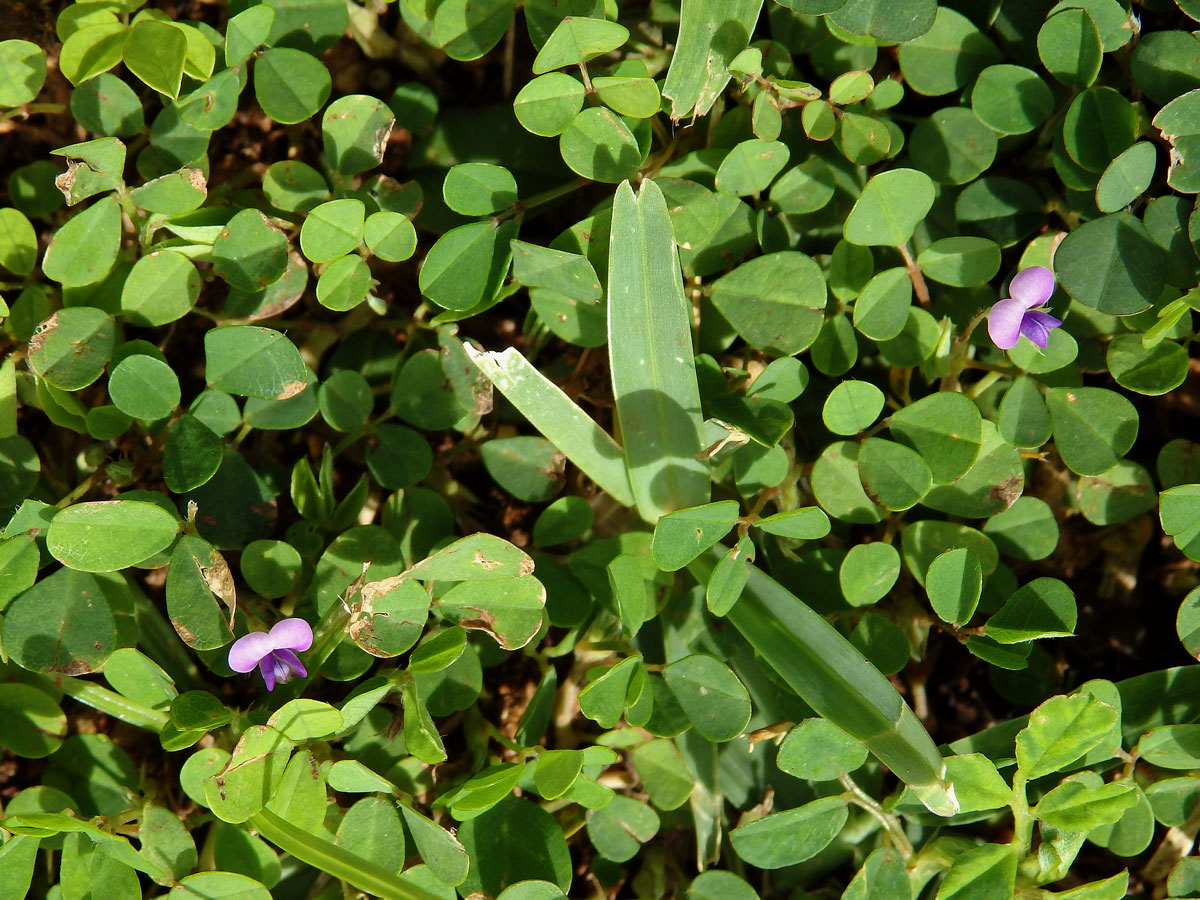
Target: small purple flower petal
point(1032, 287)
point(291, 663)
point(249, 650)
point(291, 634)
point(1037, 325)
point(266, 668)
point(1004, 323)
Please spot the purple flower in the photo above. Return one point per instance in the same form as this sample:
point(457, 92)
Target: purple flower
point(274, 651)
point(1017, 314)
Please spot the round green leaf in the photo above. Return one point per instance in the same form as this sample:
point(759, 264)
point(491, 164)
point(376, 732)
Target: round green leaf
point(355, 130)
point(1093, 427)
point(1003, 209)
point(1011, 99)
point(1043, 608)
point(108, 535)
point(636, 96)
point(947, 56)
point(916, 341)
point(290, 85)
point(155, 52)
point(390, 236)
point(804, 188)
point(70, 349)
point(599, 145)
point(1100, 123)
point(160, 288)
point(787, 838)
point(294, 186)
point(18, 242)
point(837, 487)
point(751, 166)
point(894, 476)
point(710, 694)
point(345, 400)
point(332, 230)
point(1027, 530)
point(466, 265)
point(254, 362)
point(398, 457)
point(345, 283)
point(22, 72)
point(1127, 177)
point(776, 302)
point(851, 407)
point(479, 189)
point(1069, 47)
point(566, 519)
point(681, 536)
point(31, 724)
point(63, 624)
point(529, 468)
point(1116, 496)
point(881, 310)
point(619, 829)
point(467, 29)
point(890, 207)
point(1153, 371)
point(548, 104)
point(897, 20)
point(191, 455)
point(270, 568)
point(960, 261)
point(954, 583)
point(1165, 65)
point(219, 886)
point(952, 145)
point(576, 40)
point(249, 252)
point(92, 49)
point(516, 840)
point(868, 573)
point(84, 250)
point(1023, 419)
point(144, 388)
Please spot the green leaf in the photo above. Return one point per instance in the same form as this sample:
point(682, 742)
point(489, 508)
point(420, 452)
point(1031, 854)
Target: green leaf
point(22, 72)
point(599, 145)
point(889, 208)
point(294, 186)
point(804, 188)
point(197, 571)
point(199, 710)
point(304, 720)
point(954, 583)
point(345, 283)
point(108, 535)
point(18, 242)
point(250, 777)
point(952, 146)
point(1152, 370)
point(62, 625)
point(619, 829)
point(709, 39)
point(751, 166)
point(510, 610)
point(84, 249)
point(1077, 806)
point(390, 236)
point(371, 828)
point(514, 841)
point(440, 850)
point(249, 252)
point(787, 838)
point(881, 309)
point(71, 348)
point(1171, 746)
point(1026, 530)
point(1060, 731)
point(1043, 608)
point(144, 388)
point(886, 20)
point(984, 873)
point(155, 52)
point(1127, 177)
point(1011, 99)
point(710, 694)
point(355, 131)
point(945, 428)
point(807, 523)
point(1093, 427)
point(681, 536)
point(868, 573)
point(246, 32)
point(576, 40)
point(548, 104)
point(467, 264)
point(894, 476)
point(776, 302)
point(290, 85)
point(630, 95)
point(388, 617)
point(91, 50)
point(664, 775)
point(1069, 47)
point(1023, 419)
point(603, 700)
point(31, 723)
point(253, 362)
point(817, 750)
point(654, 376)
point(729, 578)
point(960, 261)
point(1177, 122)
point(1100, 123)
point(479, 189)
point(717, 884)
point(947, 56)
point(977, 784)
point(332, 230)
point(852, 406)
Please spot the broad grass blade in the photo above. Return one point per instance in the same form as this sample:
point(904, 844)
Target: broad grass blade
point(710, 36)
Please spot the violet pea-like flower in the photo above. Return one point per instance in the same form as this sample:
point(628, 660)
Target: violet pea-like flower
point(274, 651)
point(1018, 314)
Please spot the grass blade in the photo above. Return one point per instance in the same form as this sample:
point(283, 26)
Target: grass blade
point(558, 418)
point(710, 36)
point(832, 677)
point(650, 351)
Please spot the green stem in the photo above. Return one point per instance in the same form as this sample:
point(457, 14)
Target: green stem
point(523, 206)
point(111, 703)
point(891, 825)
point(337, 861)
point(1022, 817)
